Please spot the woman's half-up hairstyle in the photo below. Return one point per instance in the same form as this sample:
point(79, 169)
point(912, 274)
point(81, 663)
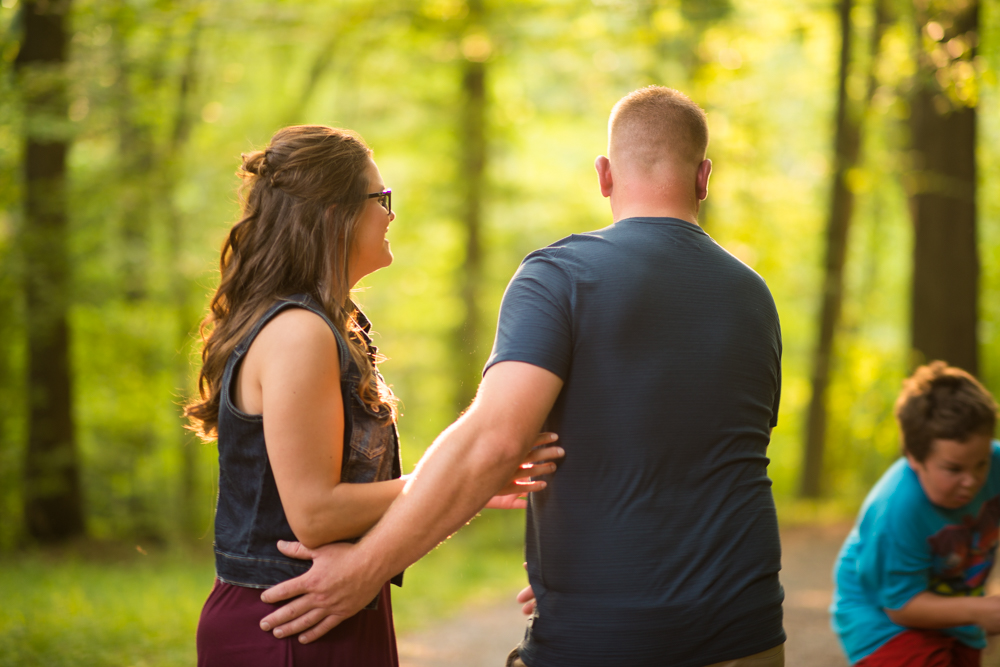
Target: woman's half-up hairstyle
point(301, 198)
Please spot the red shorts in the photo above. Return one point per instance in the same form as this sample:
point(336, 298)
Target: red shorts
point(922, 648)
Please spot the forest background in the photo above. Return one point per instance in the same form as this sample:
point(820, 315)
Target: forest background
point(485, 118)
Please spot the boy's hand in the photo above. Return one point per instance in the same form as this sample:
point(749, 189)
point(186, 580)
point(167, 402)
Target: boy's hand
point(989, 614)
point(930, 611)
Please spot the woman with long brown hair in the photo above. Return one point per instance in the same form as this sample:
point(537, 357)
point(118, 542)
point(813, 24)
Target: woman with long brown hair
point(306, 425)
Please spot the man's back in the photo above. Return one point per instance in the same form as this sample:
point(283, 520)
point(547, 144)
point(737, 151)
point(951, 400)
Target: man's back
point(656, 357)
point(656, 542)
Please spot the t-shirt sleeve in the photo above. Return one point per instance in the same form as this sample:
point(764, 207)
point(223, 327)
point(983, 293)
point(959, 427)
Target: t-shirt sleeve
point(993, 480)
point(777, 391)
point(896, 561)
point(535, 323)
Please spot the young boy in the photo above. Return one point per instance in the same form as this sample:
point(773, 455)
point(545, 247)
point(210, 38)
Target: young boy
point(910, 577)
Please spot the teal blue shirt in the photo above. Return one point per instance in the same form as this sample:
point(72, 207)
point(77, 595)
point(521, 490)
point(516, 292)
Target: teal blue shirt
point(903, 545)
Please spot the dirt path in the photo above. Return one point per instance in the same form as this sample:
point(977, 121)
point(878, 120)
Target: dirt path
point(807, 556)
point(482, 636)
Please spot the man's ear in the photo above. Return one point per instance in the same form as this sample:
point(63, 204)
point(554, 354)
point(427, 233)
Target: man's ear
point(603, 167)
point(701, 179)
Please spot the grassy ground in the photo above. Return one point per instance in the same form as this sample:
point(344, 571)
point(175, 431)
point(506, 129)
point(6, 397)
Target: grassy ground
point(111, 605)
point(85, 607)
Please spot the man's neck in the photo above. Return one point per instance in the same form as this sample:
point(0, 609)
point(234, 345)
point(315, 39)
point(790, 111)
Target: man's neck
point(649, 210)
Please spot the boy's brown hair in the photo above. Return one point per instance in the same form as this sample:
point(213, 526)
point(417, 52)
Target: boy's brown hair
point(941, 401)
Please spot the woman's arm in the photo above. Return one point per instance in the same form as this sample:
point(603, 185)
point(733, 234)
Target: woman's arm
point(930, 611)
point(291, 375)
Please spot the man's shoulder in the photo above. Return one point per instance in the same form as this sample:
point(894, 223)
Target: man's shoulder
point(568, 246)
point(567, 256)
point(577, 255)
point(734, 266)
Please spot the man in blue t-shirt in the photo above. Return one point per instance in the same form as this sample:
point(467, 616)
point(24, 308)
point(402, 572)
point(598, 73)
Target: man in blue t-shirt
point(655, 355)
point(910, 578)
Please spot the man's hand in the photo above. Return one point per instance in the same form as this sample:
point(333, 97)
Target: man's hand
point(334, 589)
point(468, 462)
point(329, 596)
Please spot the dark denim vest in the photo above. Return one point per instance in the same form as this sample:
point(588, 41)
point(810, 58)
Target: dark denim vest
point(249, 518)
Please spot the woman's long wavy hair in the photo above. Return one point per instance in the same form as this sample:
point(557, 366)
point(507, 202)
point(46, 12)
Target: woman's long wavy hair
point(302, 198)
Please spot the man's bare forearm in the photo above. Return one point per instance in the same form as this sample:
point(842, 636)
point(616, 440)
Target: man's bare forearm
point(449, 487)
point(472, 460)
point(464, 468)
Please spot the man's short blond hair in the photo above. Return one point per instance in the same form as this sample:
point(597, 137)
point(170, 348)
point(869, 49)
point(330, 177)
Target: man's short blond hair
point(657, 127)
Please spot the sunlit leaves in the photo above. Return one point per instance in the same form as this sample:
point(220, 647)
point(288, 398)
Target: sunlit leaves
point(763, 69)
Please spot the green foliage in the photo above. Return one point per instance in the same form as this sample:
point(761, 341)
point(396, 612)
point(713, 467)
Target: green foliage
point(165, 96)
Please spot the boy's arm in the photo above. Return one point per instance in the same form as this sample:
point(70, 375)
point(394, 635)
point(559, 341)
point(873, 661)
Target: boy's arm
point(930, 611)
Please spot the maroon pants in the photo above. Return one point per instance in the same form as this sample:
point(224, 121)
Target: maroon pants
point(229, 634)
point(922, 648)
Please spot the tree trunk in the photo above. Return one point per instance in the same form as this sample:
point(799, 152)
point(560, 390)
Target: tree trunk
point(942, 188)
point(472, 181)
point(53, 500)
point(847, 150)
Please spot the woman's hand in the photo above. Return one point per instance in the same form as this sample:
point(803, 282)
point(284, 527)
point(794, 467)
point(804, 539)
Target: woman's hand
point(527, 598)
point(538, 462)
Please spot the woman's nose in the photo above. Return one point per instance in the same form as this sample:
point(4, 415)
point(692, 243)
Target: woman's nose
point(392, 216)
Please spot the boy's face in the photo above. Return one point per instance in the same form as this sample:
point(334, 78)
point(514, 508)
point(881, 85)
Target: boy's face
point(954, 472)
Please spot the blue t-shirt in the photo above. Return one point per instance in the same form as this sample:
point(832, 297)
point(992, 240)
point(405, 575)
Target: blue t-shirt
point(902, 545)
point(656, 542)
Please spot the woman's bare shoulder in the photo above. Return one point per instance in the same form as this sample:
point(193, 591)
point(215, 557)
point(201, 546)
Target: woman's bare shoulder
point(295, 335)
